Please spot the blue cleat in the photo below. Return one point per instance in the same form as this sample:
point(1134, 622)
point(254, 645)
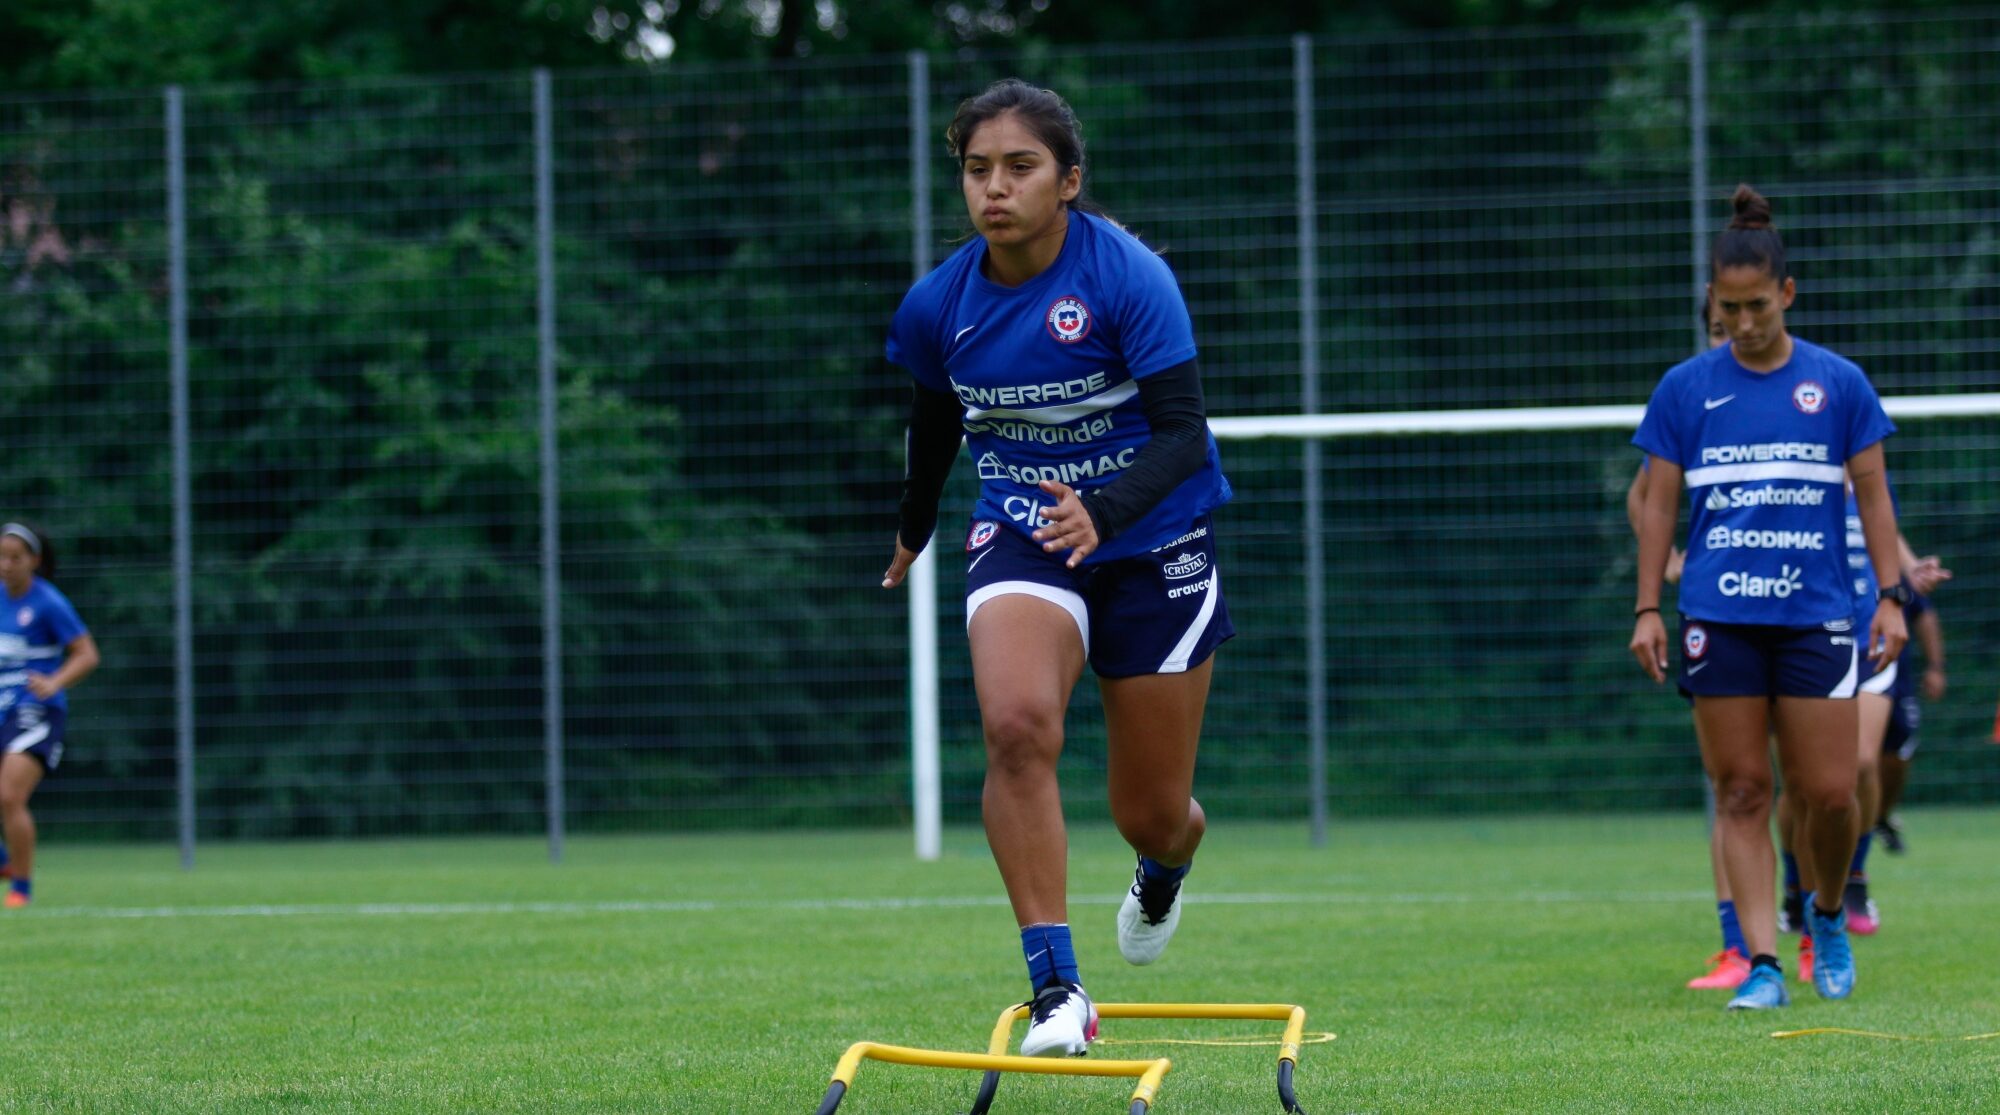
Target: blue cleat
point(1833, 957)
point(1764, 989)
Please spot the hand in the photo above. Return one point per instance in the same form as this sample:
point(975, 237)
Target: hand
point(1649, 645)
point(1676, 559)
point(1927, 574)
point(1069, 526)
point(899, 565)
point(1886, 635)
point(1934, 683)
point(43, 686)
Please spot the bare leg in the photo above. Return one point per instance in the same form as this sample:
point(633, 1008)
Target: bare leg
point(1873, 712)
point(1154, 725)
point(1026, 657)
point(1715, 837)
point(1814, 735)
point(1732, 733)
point(1895, 772)
point(1790, 824)
point(19, 775)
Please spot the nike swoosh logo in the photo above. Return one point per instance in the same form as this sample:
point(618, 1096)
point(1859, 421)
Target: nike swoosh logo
point(1693, 670)
point(1038, 956)
point(977, 560)
point(1706, 404)
point(970, 328)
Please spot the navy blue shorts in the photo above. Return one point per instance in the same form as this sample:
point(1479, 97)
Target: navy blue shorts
point(33, 729)
point(1152, 613)
point(1752, 660)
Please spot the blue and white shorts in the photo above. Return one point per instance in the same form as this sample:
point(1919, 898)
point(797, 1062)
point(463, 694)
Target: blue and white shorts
point(34, 729)
point(1754, 660)
point(1153, 613)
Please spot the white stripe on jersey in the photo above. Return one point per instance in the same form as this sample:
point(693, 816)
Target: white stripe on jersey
point(1067, 412)
point(28, 739)
point(1763, 470)
point(1847, 684)
point(1177, 662)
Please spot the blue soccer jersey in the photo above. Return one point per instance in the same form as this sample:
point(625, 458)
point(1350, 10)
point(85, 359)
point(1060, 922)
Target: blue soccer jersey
point(1859, 565)
point(34, 629)
point(1763, 455)
point(1046, 372)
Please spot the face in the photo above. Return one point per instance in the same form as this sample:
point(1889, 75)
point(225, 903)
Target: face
point(1717, 335)
point(1013, 187)
point(17, 562)
point(1750, 306)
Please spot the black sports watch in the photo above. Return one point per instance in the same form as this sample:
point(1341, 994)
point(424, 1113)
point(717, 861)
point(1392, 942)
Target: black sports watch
point(1901, 594)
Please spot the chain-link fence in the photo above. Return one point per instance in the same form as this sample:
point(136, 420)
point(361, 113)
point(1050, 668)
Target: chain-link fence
point(1491, 220)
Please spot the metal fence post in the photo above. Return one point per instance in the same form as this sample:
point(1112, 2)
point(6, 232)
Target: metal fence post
point(545, 321)
point(926, 779)
point(1698, 158)
point(177, 359)
point(1315, 557)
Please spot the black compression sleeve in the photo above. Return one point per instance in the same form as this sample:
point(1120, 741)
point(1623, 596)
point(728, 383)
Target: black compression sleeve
point(930, 447)
point(1174, 409)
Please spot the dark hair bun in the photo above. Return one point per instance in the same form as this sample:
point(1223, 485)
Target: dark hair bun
point(1752, 210)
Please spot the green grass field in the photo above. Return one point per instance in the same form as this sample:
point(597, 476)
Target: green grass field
point(1529, 965)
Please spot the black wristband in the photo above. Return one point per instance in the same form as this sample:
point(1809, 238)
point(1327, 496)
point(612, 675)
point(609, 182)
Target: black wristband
point(1637, 612)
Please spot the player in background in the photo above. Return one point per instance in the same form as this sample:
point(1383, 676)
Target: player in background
point(1728, 967)
point(1923, 575)
point(1059, 347)
point(1760, 431)
point(44, 651)
point(1899, 747)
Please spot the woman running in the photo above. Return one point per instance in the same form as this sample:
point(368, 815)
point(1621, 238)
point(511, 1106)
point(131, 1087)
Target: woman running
point(44, 651)
point(1059, 347)
point(1760, 431)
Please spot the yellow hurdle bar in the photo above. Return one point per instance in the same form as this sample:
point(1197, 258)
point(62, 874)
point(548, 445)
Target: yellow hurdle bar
point(1294, 1018)
point(1150, 1073)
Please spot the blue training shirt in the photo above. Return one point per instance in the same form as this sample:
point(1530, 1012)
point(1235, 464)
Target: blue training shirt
point(1046, 372)
point(1859, 565)
point(1763, 455)
point(35, 627)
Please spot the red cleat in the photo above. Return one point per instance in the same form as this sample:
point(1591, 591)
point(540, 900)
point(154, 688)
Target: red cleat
point(16, 900)
point(1805, 959)
point(1730, 969)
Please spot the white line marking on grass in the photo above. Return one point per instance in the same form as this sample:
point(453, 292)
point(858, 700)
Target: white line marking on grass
point(704, 906)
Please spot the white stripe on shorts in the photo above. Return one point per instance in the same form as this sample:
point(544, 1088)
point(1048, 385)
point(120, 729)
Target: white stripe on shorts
point(1846, 687)
point(1177, 662)
point(1063, 598)
point(28, 739)
point(1882, 682)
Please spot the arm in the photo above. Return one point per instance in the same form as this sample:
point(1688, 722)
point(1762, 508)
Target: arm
point(1930, 636)
point(78, 663)
point(1924, 574)
point(1179, 420)
point(931, 445)
point(1635, 498)
point(1887, 633)
point(1635, 505)
point(1175, 451)
point(1656, 533)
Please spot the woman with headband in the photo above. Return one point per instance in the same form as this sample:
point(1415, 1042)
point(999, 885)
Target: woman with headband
point(44, 651)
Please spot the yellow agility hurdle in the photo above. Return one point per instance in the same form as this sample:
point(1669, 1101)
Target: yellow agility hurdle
point(1150, 1073)
point(1294, 1018)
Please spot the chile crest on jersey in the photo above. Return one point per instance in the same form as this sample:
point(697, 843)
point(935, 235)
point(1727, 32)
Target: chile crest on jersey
point(1047, 373)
